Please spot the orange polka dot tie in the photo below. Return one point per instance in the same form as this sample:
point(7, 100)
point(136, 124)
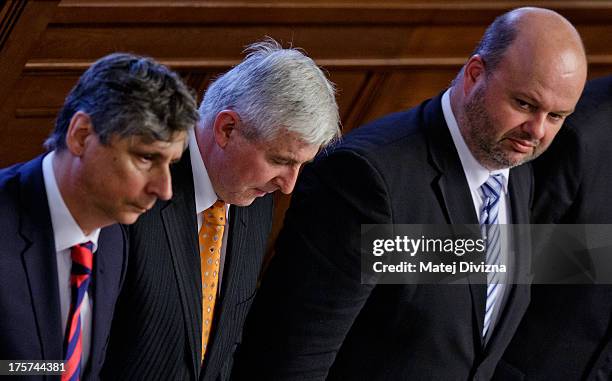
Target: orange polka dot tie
point(210, 236)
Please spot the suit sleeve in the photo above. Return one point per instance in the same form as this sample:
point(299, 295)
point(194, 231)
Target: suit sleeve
point(312, 291)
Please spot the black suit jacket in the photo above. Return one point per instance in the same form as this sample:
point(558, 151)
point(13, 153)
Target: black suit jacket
point(567, 330)
point(157, 330)
point(313, 318)
point(30, 322)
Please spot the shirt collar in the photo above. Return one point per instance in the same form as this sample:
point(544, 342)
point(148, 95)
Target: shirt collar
point(205, 195)
point(475, 173)
point(66, 231)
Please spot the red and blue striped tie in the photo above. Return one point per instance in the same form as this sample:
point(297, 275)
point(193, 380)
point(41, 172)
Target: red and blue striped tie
point(80, 275)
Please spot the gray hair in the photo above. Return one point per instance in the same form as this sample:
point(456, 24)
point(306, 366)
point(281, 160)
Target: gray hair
point(127, 95)
point(275, 89)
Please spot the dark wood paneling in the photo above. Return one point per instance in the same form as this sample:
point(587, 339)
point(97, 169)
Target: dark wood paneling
point(384, 56)
point(21, 24)
point(316, 11)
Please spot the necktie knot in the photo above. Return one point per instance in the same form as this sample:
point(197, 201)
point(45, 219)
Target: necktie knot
point(491, 189)
point(215, 215)
point(82, 258)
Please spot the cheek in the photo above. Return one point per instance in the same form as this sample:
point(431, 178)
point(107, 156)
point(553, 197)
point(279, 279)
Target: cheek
point(124, 180)
point(259, 172)
point(509, 123)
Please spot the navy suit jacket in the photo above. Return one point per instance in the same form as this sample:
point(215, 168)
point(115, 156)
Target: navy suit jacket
point(30, 322)
point(313, 318)
point(157, 330)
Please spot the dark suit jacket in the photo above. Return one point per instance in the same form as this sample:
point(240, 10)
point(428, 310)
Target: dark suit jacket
point(567, 330)
point(313, 318)
point(30, 322)
point(157, 331)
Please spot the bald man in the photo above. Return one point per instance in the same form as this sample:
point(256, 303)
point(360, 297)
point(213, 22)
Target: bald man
point(313, 318)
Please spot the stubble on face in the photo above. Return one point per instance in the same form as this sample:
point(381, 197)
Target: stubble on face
point(479, 131)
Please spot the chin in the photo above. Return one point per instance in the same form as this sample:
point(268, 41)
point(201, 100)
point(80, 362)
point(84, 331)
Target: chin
point(128, 218)
point(243, 202)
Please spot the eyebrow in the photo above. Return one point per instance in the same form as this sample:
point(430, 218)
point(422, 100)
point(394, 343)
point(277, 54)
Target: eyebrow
point(155, 155)
point(535, 102)
point(290, 159)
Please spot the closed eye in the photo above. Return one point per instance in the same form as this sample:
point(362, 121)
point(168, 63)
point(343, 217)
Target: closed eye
point(280, 161)
point(146, 158)
point(556, 117)
point(524, 105)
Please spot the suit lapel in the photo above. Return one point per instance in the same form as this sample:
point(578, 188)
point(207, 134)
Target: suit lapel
point(233, 267)
point(180, 224)
point(105, 287)
point(451, 186)
point(239, 220)
point(519, 189)
point(453, 191)
point(40, 261)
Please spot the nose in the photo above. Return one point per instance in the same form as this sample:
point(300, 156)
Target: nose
point(536, 126)
point(161, 185)
point(286, 181)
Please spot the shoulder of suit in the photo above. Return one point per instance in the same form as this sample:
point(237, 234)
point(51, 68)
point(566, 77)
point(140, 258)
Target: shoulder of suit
point(11, 183)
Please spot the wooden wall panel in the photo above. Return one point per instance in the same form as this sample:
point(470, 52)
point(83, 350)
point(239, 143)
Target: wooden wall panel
point(349, 87)
point(384, 56)
point(24, 138)
point(225, 42)
point(21, 24)
point(403, 89)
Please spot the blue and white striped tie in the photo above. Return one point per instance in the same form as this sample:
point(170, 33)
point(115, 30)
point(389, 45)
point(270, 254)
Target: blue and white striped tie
point(489, 226)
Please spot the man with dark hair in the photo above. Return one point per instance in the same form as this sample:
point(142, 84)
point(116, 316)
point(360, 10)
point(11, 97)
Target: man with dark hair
point(195, 259)
point(446, 161)
point(63, 258)
point(566, 333)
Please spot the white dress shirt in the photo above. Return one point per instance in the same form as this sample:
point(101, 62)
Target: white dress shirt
point(67, 233)
point(476, 176)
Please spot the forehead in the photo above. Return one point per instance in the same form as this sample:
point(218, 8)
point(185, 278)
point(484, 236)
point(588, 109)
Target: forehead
point(178, 141)
point(289, 146)
point(554, 79)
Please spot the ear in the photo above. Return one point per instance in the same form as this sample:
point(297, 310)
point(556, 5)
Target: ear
point(79, 129)
point(224, 126)
point(473, 71)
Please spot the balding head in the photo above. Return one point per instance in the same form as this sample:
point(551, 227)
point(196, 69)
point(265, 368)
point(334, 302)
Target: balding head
point(523, 79)
point(528, 27)
point(548, 45)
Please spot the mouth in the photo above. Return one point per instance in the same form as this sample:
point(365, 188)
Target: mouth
point(522, 145)
point(141, 209)
point(262, 192)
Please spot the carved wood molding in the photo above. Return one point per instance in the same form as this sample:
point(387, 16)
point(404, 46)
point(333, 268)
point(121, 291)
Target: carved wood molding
point(21, 24)
point(9, 14)
point(315, 12)
point(40, 67)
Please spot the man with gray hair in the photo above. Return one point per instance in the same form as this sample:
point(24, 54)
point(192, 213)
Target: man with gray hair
point(195, 260)
point(447, 161)
point(63, 257)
